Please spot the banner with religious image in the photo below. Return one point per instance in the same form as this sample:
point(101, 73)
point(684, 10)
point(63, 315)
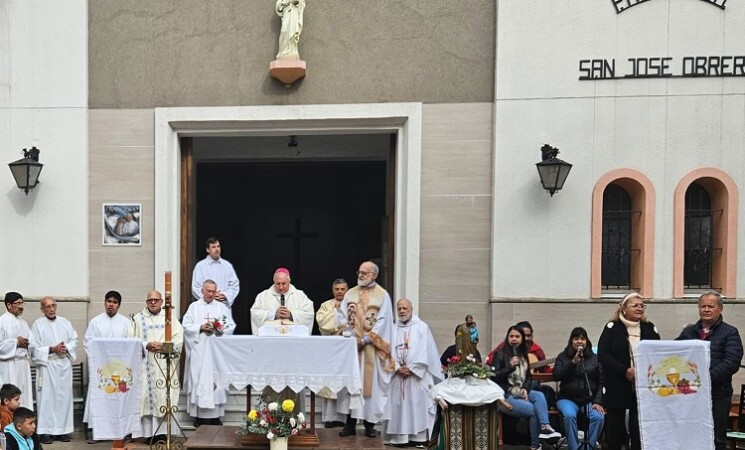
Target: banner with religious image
point(114, 382)
point(674, 394)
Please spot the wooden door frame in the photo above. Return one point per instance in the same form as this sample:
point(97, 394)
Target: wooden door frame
point(188, 215)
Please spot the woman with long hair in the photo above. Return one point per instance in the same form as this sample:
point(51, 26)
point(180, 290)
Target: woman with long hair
point(627, 327)
point(512, 373)
point(578, 371)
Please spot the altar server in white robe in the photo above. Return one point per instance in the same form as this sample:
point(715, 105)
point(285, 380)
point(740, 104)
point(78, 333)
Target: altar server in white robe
point(14, 348)
point(367, 311)
point(55, 345)
point(198, 324)
point(108, 324)
point(217, 269)
point(149, 326)
point(418, 369)
point(281, 301)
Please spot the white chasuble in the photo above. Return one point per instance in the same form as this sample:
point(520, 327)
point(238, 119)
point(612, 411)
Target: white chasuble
point(151, 328)
point(266, 304)
point(368, 312)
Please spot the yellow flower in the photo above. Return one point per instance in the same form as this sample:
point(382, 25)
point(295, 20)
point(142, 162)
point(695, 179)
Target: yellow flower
point(288, 405)
point(252, 414)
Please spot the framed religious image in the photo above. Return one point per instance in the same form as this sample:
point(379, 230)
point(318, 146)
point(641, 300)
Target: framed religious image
point(121, 224)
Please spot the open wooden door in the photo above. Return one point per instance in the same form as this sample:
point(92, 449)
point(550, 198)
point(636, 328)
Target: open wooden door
point(188, 211)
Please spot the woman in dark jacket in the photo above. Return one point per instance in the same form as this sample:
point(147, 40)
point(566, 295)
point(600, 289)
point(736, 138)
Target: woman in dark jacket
point(578, 370)
point(627, 327)
point(512, 373)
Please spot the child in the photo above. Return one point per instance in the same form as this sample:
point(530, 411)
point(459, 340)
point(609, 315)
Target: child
point(21, 434)
point(10, 399)
point(473, 329)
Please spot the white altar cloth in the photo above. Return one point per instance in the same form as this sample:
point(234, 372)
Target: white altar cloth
point(312, 362)
point(468, 391)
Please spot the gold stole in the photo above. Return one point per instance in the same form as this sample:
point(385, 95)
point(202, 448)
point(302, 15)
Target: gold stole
point(363, 306)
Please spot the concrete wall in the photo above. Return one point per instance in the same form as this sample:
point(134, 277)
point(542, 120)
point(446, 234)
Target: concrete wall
point(121, 158)
point(664, 128)
point(147, 54)
point(455, 218)
point(43, 103)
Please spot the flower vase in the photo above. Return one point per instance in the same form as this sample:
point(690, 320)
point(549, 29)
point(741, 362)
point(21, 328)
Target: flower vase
point(279, 443)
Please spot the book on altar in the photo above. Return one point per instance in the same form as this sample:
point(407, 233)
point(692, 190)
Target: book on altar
point(283, 328)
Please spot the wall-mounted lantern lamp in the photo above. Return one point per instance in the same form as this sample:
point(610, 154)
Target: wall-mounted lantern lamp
point(552, 170)
point(26, 170)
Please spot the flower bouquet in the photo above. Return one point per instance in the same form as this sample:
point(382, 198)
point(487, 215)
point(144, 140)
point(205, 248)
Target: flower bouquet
point(461, 368)
point(216, 326)
point(273, 420)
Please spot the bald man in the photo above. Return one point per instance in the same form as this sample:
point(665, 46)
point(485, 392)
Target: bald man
point(417, 370)
point(54, 342)
point(148, 325)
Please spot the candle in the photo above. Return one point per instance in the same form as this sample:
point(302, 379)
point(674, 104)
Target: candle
point(168, 307)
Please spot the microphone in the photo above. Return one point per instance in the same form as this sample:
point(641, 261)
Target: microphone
point(514, 353)
point(580, 350)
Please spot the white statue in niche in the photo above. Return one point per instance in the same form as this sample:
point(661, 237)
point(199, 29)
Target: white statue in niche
point(291, 12)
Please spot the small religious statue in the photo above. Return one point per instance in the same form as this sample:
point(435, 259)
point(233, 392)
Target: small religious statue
point(291, 12)
point(288, 67)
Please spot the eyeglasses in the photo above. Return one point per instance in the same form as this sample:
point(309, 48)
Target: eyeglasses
point(638, 306)
point(363, 273)
point(50, 306)
point(154, 300)
point(17, 303)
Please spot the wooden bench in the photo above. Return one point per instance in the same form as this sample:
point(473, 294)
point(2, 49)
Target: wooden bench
point(78, 385)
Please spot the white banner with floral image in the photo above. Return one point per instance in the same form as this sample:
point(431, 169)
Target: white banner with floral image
point(674, 394)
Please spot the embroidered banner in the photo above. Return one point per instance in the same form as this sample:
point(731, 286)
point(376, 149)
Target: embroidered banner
point(674, 394)
point(114, 382)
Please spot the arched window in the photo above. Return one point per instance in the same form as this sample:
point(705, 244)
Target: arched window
point(622, 249)
point(699, 239)
point(705, 233)
point(617, 230)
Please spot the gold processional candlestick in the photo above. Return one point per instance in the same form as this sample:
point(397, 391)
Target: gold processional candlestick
point(168, 354)
point(168, 308)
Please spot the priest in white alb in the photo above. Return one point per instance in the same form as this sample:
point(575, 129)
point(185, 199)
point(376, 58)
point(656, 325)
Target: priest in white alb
point(55, 344)
point(149, 326)
point(418, 369)
point(205, 319)
point(14, 348)
point(108, 324)
point(282, 301)
point(328, 326)
point(366, 310)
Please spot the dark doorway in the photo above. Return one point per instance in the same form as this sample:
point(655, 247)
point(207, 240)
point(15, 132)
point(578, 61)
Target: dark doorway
point(318, 219)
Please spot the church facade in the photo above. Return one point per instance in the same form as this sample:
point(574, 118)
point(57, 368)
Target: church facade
point(145, 104)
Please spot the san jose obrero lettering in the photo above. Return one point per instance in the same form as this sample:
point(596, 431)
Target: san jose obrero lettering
point(663, 67)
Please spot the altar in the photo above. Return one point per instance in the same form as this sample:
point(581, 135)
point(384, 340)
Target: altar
point(312, 362)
